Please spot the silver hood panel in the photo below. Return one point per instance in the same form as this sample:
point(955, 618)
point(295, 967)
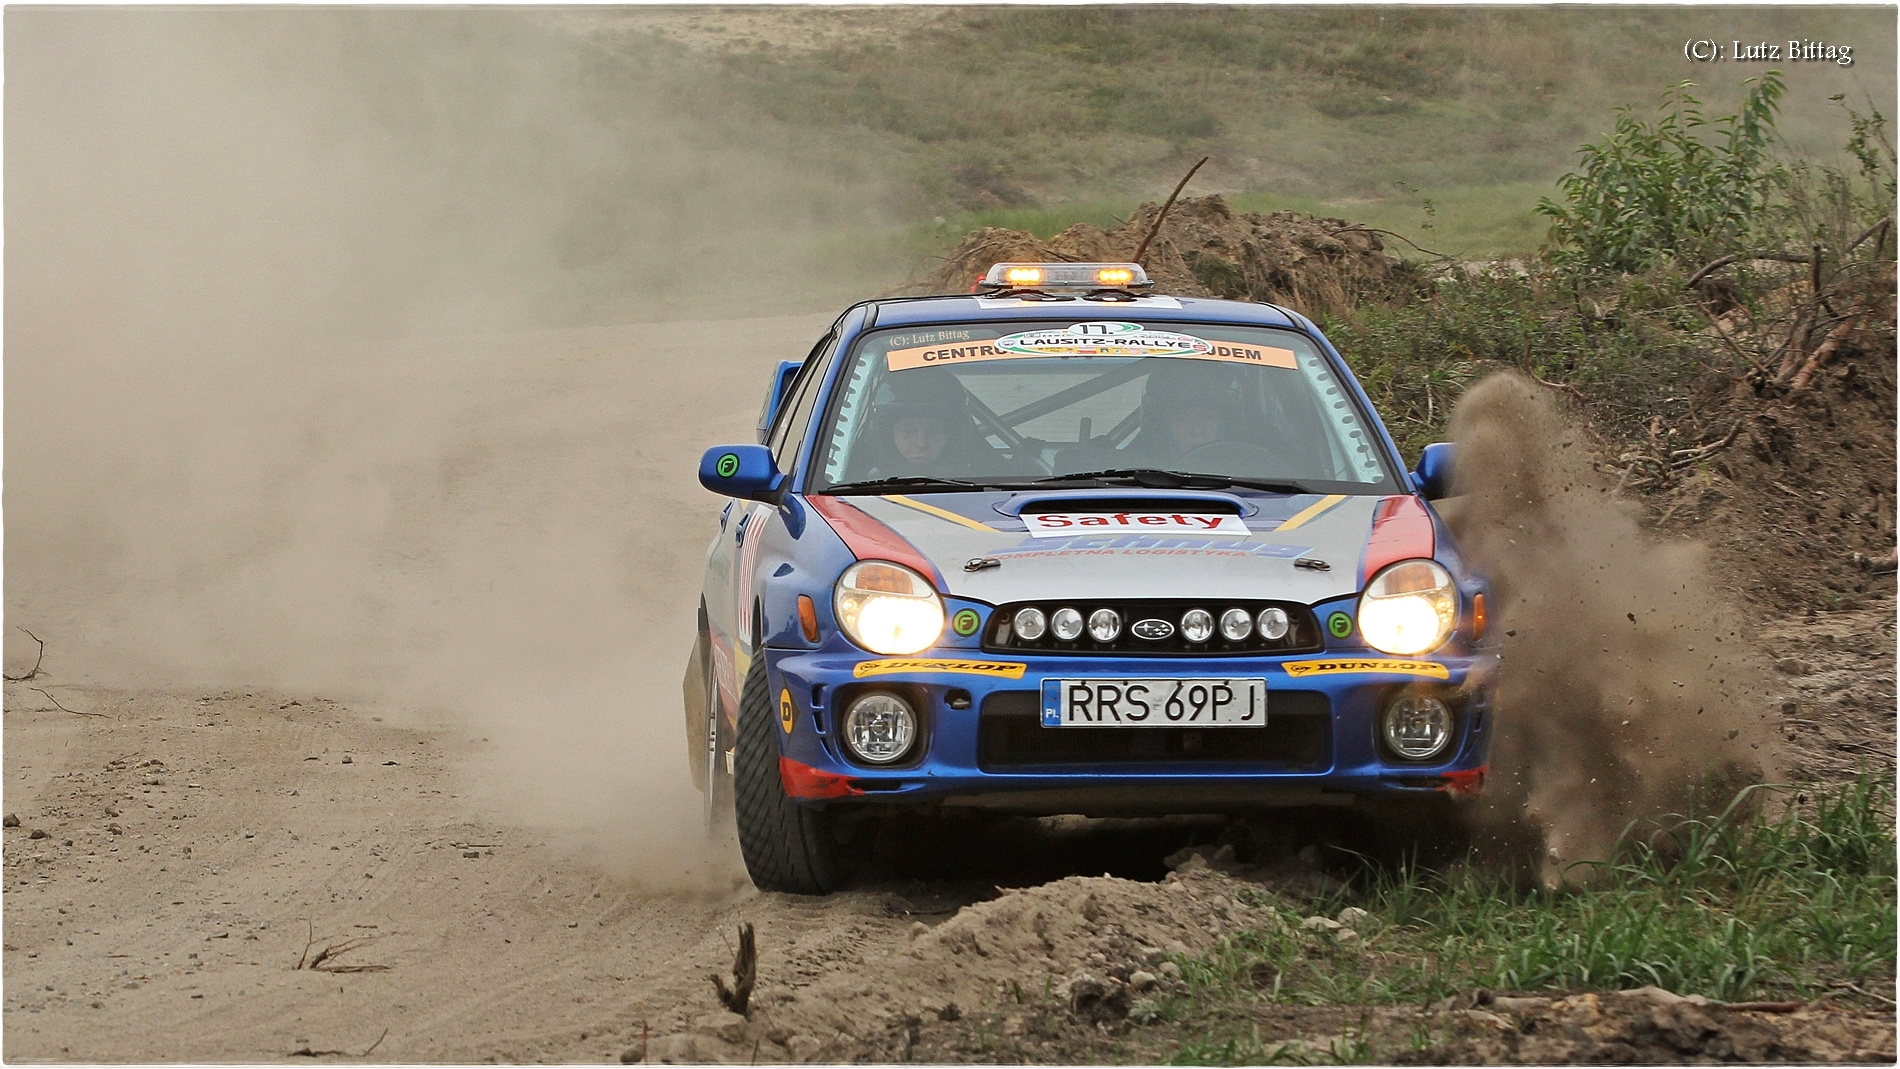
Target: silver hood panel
point(1259, 565)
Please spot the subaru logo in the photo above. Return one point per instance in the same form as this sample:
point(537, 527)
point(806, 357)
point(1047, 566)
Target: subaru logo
point(1152, 630)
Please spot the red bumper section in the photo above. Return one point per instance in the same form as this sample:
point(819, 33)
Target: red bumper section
point(803, 781)
point(1465, 784)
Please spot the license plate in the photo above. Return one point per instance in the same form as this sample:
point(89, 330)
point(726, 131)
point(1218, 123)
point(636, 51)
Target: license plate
point(1154, 703)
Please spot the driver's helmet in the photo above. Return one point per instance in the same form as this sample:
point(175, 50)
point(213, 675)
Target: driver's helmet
point(924, 391)
point(1180, 384)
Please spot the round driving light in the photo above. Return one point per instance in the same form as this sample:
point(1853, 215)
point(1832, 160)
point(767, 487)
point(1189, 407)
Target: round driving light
point(1030, 623)
point(1417, 728)
point(1235, 625)
point(880, 728)
point(1197, 625)
point(1104, 625)
point(1067, 624)
point(1273, 624)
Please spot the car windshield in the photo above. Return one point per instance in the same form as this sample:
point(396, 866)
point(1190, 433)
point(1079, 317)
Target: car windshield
point(1094, 403)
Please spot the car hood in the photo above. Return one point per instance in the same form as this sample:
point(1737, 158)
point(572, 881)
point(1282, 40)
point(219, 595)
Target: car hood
point(949, 531)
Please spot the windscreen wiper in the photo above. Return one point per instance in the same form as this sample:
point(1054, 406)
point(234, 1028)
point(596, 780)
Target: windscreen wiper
point(905, 482)
point(1165, 479)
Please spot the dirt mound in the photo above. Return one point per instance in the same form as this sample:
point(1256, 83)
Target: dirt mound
point(1095, 944)
point(1650, 1026)
point(1318, 266)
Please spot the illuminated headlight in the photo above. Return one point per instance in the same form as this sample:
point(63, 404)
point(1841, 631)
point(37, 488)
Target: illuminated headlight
point(1197, 625)
point(1409, 608)
point(1067, 624)
point(1030, 623)
point(880, 728)
point(887, 608)
point(1235, 625)
point(1104, 625)
point(1273, 624)
point(1417, 728)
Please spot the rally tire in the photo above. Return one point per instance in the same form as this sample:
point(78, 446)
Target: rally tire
point(716, 794)
point(786, 846)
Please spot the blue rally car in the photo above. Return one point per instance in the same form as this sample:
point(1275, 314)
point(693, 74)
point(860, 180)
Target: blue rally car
point(1065, 545)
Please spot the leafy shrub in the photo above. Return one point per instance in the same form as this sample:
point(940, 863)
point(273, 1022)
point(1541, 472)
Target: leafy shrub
point(1682, 186)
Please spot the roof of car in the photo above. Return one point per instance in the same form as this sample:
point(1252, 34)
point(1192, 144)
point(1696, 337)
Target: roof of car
point(905, 312)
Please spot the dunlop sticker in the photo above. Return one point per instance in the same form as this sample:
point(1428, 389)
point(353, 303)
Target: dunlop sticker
point(1343, 665)
point(785, 718)
point(994, 669)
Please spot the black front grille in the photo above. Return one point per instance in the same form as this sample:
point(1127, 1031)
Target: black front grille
point(1298, 738)
point(1302, 635)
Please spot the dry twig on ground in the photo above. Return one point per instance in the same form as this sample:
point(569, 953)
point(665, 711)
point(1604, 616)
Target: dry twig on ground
point(745, 972)
point(34, 674)
point(63, 709)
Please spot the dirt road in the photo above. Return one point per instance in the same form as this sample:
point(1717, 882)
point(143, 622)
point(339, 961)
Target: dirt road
point(382, 659)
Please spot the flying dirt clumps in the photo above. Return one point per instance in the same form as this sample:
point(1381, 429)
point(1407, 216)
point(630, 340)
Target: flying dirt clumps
point(1205, 249)
point(1625, 693)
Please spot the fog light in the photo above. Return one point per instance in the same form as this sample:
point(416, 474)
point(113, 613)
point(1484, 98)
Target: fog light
point(1417, 728)
point(880, 728)
point(1030, 623)
point(1104, 625)
point(1273, 624)
point(1067, 624)
point(1197, 625)
point(1235, 625)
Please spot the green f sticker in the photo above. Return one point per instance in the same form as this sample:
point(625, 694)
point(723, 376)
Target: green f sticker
point(965, 622)
point(1339, 624)
point(727, 466)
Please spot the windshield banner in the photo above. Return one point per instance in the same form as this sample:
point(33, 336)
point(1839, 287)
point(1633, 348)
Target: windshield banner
point(1070, 524)
point(1089, 339)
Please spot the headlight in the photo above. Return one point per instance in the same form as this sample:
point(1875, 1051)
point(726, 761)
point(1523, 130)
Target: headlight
point(879, 728)
point(1416, 728)
point(1030, 623)
point(1274, 624)
point(1409, 608)
point(1197, 625)
point(1235, 625)
point(887, 608)
point(1067, 624)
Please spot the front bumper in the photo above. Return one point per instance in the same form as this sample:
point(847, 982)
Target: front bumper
point(983, 746)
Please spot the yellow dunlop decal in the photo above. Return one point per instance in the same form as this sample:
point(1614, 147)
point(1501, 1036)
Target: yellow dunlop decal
point(996, 669)
point(1342, 665)
point(785, 710)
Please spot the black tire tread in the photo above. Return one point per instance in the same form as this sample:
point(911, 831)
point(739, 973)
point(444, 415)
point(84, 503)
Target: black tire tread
point(786, 846)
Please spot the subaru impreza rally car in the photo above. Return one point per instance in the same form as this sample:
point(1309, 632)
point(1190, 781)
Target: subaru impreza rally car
point(1065, 545)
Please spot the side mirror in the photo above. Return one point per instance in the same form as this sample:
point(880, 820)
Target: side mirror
point(1433, 476)
point(744, 471)
point(775, 397)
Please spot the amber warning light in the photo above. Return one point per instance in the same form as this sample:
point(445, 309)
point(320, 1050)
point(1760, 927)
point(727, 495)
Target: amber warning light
point(1065, 276)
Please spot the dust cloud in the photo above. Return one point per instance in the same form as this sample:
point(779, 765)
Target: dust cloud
point(298, 395)
point(1626, 691)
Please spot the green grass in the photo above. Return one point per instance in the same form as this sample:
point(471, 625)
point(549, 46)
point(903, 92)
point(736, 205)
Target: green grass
point(1732, 908)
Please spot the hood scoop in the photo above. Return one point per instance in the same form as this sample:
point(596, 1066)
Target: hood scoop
point(1130, 500)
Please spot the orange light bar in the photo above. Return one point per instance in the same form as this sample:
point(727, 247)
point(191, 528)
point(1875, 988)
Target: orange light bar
point(1023, 276)
point(1066, 276)
point(1114, 276)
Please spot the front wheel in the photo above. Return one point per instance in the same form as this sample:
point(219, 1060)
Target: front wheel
point(786, 846)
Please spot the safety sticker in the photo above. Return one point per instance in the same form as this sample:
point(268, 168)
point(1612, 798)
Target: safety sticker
point(1070, 524)
point(1344, 665)
point(996, 669)
point(1089, 339)
point(785, 717)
